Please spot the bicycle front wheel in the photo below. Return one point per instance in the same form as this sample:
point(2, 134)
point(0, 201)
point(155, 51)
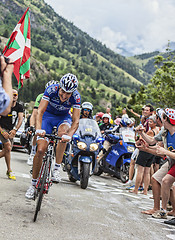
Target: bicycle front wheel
point(41, 192)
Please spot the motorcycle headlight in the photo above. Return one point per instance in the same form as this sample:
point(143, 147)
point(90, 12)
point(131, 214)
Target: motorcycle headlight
point(81, 145)
point(93, 147)
point(130, 149)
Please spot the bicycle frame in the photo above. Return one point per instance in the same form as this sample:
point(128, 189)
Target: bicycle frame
point(44, 181)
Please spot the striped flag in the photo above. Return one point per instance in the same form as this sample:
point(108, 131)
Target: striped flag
point(18, 49)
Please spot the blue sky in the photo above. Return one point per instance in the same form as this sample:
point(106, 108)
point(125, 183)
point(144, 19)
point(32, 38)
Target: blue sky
point(138, 26)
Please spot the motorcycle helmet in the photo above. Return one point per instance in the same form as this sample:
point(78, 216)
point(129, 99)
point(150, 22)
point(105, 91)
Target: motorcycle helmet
point(106, 115)
point(87, 106)
point(69, 83)
point(125, 122)
point(51, 83)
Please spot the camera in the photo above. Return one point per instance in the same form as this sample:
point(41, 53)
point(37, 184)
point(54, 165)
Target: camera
point(6, 60)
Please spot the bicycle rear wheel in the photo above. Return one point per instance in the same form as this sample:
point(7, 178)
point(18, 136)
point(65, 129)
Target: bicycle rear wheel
point(42, 183)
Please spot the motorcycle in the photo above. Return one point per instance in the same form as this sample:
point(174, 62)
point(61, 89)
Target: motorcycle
point(80, 157)
point(116, 159)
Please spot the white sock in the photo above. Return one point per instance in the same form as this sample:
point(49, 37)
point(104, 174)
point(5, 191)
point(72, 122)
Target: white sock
point(34, 182)
point(130, 181)
point(57, 166)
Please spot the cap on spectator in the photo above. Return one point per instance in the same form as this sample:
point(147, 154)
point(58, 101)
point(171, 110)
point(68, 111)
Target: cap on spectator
point(143, 107)
point(99, 114)
point(171, 114)
point(159, 112)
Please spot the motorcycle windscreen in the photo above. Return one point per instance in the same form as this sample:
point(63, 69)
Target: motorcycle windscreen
point(128, 135)
point(88, 127)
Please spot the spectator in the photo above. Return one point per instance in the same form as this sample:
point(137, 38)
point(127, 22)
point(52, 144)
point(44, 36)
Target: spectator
point(98, 118)
point(9, 125)
point(117, 120)
point(108, 111)
point(144, 159)
point(124, 114)
point(166, 136)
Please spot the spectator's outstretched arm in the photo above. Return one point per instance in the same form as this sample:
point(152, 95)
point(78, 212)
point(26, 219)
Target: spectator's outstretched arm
point(136, 114)
point(6, 88)
point(150, 140)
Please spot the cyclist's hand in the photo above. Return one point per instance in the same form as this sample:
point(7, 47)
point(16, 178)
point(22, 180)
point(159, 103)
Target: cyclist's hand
point(65, 138)
point(40, 132)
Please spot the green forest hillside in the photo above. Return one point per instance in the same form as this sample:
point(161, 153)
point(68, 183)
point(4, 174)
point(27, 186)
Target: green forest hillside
point(58, 47)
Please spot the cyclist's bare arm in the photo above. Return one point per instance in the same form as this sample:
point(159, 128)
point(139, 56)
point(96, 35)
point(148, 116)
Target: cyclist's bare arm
point(75, 121)
point(33, 117)
point(42, 108)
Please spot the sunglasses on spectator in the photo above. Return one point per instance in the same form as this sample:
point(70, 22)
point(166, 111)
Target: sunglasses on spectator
point(87, 110)
point(15, 94)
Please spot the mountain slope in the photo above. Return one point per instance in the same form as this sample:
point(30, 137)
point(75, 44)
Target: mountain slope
point(61, 47)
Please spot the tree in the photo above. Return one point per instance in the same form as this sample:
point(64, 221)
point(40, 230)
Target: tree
point(161, 90)
point(44, 57)
point(6, 33)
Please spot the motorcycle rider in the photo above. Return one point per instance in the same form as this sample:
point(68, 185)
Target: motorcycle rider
point(106, 145)
point(86, 110)
point(106, 118)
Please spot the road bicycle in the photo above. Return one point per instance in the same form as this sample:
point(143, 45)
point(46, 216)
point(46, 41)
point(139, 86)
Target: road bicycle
point(44, 181)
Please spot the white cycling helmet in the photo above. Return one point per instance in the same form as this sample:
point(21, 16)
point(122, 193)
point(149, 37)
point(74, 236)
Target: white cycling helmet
point(51, 83)
point(87, 105)
point(69, 83)
point(106, 115)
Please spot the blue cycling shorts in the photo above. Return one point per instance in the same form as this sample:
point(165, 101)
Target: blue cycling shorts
point(50, 120)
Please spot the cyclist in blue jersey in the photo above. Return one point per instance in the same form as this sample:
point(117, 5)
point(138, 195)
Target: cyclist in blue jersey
point(54, 111)
point(33, 122)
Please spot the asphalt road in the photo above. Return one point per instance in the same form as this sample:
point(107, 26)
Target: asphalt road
point(103, 211)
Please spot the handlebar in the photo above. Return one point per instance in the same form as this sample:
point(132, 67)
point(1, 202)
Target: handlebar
point(52, 137)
